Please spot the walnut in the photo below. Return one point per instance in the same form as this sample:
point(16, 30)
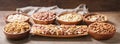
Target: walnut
point(16, 27)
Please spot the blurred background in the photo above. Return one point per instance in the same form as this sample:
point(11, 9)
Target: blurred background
point(93, 5)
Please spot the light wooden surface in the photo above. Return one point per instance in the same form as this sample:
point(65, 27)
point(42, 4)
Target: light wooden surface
point(114, 17)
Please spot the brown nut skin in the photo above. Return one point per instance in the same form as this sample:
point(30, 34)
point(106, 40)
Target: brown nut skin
point(68, 23)
point(89, 14)
point(101, 36)
point(45, 21)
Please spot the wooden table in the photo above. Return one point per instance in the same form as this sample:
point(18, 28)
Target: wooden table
point(114, 17)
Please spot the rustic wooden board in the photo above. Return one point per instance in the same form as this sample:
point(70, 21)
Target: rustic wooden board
point(113, 18)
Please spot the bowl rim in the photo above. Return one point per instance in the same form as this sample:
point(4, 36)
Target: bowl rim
point(62, 36)
point(43, 20)
point(57, 17)
point(90, 14)
point(102, 33)
point(6, 17)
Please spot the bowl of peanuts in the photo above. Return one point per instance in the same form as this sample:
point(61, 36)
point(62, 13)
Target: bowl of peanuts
point(17, 30)
point(69, 18)
point(45, 17)
point(17, 17)
point(101, 30)
point(94, 17)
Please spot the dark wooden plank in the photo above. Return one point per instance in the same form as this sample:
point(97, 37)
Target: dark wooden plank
point(93, 5)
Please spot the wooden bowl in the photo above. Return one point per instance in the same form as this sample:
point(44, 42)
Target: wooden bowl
point(15, 14)
point(90, 14)
point(68, 22)
point(17, 36)
point(36, 21)
point(101, 36)
point(61, 36)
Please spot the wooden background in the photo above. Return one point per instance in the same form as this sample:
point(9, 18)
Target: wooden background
point(93, 5)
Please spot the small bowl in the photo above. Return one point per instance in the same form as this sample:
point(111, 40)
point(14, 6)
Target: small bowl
point(68, 22)
point(15, 14)
point(17, 36)
point(36, 21)
point(101, 36)
point(90, 14)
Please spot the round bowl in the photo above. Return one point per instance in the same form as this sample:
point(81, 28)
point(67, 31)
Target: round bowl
point(88, 22)
point(68, 22)
point(17, 36)
point(15, 14)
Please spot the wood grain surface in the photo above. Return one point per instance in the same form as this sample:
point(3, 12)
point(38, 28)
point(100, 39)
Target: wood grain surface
point(113, 18)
